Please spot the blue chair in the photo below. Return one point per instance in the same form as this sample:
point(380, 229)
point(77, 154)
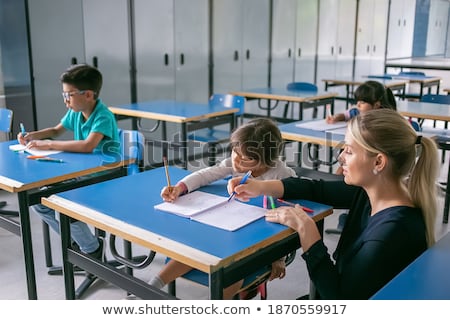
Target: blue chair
point(6, 120)
point(214, 136)
point(412, 73)
point(132, 145)
point(300, 86)
point(381, 76)
point(441, 99)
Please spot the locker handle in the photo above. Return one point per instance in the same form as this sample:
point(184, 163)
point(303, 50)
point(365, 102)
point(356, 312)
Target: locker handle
point(299, 52)
point(340, 50)
point(95, 61)
point(236, 55)
point(399, 22)
point(368, 49)
point(332, 50)
point(404, 22)
point(289, 52)
point(73, 60)
point(182, 58)
point(374, 48)
point(166, 59)
point(247, 54)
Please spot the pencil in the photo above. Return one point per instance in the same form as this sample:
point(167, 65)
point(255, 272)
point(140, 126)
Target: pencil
point(293, 205)
point(166, 166)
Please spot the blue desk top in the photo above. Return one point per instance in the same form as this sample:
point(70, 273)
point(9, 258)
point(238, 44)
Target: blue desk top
point(290, 131)
point(175, 111)
point(130, 200)
point(433, 111)
point(17, 173)
point(426, 278)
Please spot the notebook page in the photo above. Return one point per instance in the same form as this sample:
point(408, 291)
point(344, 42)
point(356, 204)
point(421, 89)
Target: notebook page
point(231, 216)
point(192, 203)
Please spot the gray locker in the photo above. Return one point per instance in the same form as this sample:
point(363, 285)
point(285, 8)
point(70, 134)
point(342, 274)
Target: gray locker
point(240, 44)
point(294, 40)
point(172, 49)
point(371, 37)
point(78, 31)
point(336, 39)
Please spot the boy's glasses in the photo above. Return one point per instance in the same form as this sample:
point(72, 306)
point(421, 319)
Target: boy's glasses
point(67, 95)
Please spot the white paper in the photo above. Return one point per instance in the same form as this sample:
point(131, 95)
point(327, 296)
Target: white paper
point(32, 151)
point(192, 203)
point(213, 210)
point(231, 216)
point(321, 125)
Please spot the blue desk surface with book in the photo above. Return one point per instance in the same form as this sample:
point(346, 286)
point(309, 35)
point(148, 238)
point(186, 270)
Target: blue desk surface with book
point(125, 207)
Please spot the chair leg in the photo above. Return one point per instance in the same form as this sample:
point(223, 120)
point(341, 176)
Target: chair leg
point(212, 152)
point(286, 106)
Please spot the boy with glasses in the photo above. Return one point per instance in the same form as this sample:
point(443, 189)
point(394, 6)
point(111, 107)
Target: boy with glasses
point(94, 128)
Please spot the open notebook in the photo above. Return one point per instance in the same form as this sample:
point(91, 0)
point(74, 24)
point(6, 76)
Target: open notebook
point(34, 152)
point(213, 210)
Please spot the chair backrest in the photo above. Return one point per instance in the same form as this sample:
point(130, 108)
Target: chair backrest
point(302, 86)
point(436, 98)
point(6, 119)
point(228, 101)
point(132, 145)
point(381, 76)
point(412, 73)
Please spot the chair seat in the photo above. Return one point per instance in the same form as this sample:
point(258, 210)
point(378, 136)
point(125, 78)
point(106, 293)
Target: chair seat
point(210, 135)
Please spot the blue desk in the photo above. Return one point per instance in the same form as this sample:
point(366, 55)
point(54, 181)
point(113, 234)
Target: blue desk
point(350, 83)
point(424, 110)
point(124, 207)
point(425, 82)
point(330, 139)
point(24, 177)
point(190, 116)
point(426, 278)
point(305, 99)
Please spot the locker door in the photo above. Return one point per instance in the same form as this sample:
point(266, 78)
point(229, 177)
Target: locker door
point(255, 44)
point(191, 50)
point(53, 45)
point(306, 40)
point(227, 45)
point(154, 38)
point(107, 47)
point(283, 42)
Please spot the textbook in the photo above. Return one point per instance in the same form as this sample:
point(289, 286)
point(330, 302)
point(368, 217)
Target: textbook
point(32, 151)
point(213, 210)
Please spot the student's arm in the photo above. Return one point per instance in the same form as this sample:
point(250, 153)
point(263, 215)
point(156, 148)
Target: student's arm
point(335, 118)
point(82, 146)
point(47, 133)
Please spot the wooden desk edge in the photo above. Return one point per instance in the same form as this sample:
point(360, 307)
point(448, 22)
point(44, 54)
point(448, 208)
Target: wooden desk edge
point(170, 118)
point(14, 186)
point(156, 242)
point(304, 138)
point(268, 96)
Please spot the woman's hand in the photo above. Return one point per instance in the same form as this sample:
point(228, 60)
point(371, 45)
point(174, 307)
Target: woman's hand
point(297, 219)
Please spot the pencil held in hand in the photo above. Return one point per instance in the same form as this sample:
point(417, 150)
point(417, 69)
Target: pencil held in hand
point(166, 166)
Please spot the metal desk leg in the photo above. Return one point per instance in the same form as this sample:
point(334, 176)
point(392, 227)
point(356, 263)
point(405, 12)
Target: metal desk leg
point(447, 198)
point(69, 282)
point(25, 229)
point(216, 285)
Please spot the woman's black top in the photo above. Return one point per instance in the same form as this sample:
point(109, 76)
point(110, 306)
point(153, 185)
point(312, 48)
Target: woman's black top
point(371, 249)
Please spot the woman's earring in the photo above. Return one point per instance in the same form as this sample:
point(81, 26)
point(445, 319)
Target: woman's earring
point(375, 171)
